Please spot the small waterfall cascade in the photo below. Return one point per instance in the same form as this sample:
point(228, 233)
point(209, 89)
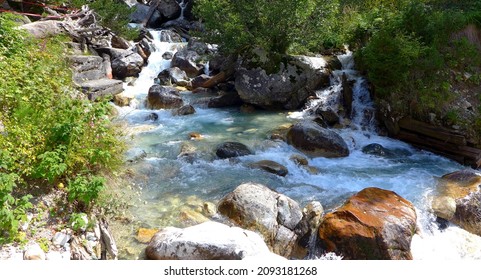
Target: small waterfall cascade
point(362, 115)
point(183, 5)
point(163, 49)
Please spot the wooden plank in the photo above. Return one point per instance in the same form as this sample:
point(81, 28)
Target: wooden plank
point(438, 133)
point(436, 146)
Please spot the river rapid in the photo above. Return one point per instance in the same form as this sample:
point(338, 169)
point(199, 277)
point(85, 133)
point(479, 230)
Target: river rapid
point(171, 190)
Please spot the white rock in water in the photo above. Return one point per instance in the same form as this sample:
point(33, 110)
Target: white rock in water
point(206, 241)
point(34, 252)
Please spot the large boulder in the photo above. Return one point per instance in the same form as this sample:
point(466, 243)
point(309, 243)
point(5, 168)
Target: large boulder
point(43, 29)
point(288, 88)
point(186, 60)
point(128, 64)
point(141, 12)
point(173, 76)
point(372, 224)
point(224, 99)
point(163, 97)
point(458, 200)
point(169, 9)
point(232, 149)
point(275, 216)
point(206, 241)
point(313, 140)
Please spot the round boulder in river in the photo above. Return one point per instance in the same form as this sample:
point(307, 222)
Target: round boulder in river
point(315, 141)
point(163, 97)
point(273, 215)
point(232, 149)
point(206, 241)
point(374, 224)
point(271, 167)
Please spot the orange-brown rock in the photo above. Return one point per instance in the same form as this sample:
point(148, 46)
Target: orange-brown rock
point(145, 234)
point(372, 224)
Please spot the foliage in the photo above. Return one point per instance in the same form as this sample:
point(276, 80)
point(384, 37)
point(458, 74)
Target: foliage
point(85, 190)
point(78, 221)
point(408, 53)
point(49, 136)
point(241, 25)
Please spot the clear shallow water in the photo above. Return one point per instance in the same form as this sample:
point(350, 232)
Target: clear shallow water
point(172, 189)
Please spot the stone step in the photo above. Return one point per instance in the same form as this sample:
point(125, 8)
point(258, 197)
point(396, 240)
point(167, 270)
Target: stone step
point(101, 88)
point(87, 68)
point(90, 75)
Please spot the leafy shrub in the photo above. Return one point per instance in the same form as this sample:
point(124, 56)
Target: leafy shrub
point(241, 25)
point(49, 137)
point(85, 190)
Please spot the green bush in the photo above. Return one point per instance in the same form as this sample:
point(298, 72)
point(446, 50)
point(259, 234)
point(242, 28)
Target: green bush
point(85, 190)
point(241, 25)
point(49, 136)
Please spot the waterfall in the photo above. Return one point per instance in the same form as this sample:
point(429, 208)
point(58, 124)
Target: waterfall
point(158, 61)
point(362, 116)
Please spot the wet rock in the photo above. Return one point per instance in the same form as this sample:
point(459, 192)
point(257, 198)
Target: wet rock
point(444, 207)
point(173, 76)
point(207, 241)
point(232, 149)
point(246, 108)
point(122, 100)
point(458, 200)
point(273, 215)
point(144, 235)
point(313, 140)
point(330, 117)
point(225, 99)
point(152, 117)
point(299, 160)
point(311, 169)
point(140, 14)
point(347, 94)
point(199, 81)
point(167, 55)
point(377, 150)
point(135, 154)
point(34, 252)
point(128, 65)
point(271, 167)
point(198, 46)
point(209, 209)
point(195, 136)
point(185, 110)
point(372, 224)
point(186, 61)
point(191, 217)
point(307, 228)
point(187, 150)
point(163, 97)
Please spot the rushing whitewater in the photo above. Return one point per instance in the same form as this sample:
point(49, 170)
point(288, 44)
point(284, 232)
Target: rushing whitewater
point(171, 189)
